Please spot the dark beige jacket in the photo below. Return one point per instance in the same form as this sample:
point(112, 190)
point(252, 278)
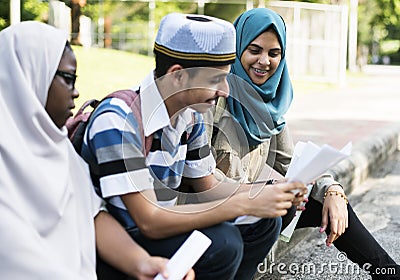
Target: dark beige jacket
point(249, 164)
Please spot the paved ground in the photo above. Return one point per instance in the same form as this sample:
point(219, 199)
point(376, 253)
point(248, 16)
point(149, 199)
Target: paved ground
point(334, 115)
point(377, 203)
point(359, 112)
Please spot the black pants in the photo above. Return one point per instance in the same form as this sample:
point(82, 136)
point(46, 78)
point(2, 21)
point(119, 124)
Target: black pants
point(358, 244)
point(234, 253)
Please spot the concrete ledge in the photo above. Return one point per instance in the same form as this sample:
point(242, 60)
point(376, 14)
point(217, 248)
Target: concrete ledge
point(367, 156)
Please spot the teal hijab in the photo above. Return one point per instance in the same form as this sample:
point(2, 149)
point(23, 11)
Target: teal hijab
point(259, 109)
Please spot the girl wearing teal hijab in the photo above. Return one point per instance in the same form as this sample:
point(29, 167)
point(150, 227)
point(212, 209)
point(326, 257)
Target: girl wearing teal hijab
point(253, 132)
point(274, 96)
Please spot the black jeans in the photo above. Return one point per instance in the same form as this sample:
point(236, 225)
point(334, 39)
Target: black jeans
point(234, 253)
point(358, 244)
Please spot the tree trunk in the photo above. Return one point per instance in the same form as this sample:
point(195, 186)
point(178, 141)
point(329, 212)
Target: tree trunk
point(107, 32)
point(75, 25)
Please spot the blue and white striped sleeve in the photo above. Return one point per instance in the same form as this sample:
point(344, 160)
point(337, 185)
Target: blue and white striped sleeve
point(199, 159)
point(116, 142)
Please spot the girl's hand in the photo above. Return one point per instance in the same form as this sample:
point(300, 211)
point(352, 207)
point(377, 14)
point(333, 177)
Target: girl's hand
point(334, 211)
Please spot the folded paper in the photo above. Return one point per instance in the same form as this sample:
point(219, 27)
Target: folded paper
point(186, 256)
point(310, 161)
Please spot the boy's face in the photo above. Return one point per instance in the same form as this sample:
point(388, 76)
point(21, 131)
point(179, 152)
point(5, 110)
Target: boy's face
point(203, 86)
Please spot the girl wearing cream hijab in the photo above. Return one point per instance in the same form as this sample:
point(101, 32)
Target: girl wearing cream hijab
point(48, 208)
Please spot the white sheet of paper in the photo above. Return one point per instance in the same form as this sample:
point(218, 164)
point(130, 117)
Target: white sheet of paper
point(186, 256)
point(308, 163)
point(244, 220)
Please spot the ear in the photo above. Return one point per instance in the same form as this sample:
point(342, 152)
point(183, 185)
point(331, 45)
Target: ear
point(177, 74)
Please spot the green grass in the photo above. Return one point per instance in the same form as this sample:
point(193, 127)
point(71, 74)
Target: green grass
point(102, 71)
point(353, 79)
point(309, 87)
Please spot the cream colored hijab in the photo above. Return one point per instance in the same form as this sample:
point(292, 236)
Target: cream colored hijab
point(47, 203)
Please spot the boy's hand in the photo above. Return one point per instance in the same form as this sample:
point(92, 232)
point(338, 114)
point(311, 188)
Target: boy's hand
point(273, 200)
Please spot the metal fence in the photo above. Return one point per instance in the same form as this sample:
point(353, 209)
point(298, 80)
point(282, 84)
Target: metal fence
point(316, 40)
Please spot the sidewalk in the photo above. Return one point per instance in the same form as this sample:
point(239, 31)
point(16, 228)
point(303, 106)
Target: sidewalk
point(366, 111)
point(376, 202)
point(335, 115)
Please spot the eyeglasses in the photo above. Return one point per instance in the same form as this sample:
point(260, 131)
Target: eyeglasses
point(68, 77)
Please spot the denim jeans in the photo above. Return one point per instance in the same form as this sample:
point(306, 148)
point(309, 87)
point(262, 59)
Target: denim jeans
point(234, 253)
point(220, 261)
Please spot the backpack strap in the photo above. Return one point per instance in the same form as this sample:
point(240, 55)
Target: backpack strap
point(76, 125)
point(132, 99)
point(72, 124)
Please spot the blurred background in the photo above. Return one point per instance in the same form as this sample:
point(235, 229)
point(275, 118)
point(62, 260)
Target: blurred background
point(113, 40)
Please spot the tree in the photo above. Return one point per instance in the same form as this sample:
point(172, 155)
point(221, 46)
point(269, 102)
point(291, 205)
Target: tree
point(30, 10)
point(379, 23)
point(387, 17)
point(76, 6)
point(4, 14)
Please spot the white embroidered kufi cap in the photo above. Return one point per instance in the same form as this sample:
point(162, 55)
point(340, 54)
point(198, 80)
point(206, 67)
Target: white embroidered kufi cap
point(196, 38)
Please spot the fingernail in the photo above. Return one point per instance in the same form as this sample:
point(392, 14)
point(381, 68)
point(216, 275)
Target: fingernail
point(321, 229)
point(305, 199)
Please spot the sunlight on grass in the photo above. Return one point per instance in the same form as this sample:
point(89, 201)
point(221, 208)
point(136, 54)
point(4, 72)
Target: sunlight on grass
point(353, 79)
point(310, 87)
point(102, 71)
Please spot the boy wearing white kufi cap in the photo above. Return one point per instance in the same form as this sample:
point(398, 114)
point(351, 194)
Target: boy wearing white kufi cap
point(195, 40)
point(193, 56)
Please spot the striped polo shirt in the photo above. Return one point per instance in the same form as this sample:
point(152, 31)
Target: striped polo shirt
point(113, 146)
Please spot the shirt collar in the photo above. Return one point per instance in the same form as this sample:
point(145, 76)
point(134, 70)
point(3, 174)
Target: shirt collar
point(154, 112)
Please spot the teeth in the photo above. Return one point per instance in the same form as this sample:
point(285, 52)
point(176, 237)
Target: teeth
point(260, 71)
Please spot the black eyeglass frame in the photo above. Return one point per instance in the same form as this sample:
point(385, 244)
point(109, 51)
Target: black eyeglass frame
point(68, 76)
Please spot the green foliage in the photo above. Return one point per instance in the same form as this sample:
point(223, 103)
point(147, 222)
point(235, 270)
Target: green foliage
point(227, 12)
point(386, 17)
point(389, 46)
point(34, 10)
point(379, 24)
point(164, 8)
point(128, 11)
point(130, 20)
point(4, 14)
point(378, 20)
point(117, 10)
point(366, 11)
point(30, 10)
point(316, 1)
point(3, 23)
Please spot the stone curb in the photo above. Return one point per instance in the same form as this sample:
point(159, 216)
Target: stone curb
point(367, 155)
